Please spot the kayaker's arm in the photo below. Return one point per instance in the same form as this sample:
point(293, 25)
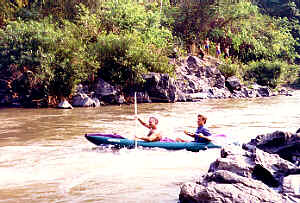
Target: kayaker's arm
point(143, 123)
point(200, 135)
point(189, 133)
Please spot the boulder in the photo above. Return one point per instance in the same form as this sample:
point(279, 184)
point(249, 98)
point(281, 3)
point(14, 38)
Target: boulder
point(83, 100)
point(227, 187)
point(64, 105)
point(233, 83)
point(246, 174)
point(291, 185)
point(103, 89)
point(285, 144)
point(160, 87)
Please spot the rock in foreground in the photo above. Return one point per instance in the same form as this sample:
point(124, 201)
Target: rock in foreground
point(248, 175)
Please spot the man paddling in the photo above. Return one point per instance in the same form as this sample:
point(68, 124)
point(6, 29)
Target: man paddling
point(154, 134)
point(201, 134)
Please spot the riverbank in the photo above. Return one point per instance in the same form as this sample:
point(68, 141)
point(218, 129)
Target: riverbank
point(195, 80)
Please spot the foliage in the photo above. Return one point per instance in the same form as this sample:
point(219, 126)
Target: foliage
point(128, 16)
point(229, 69)
point(288, 9)
point(282, 8)
point(7, 10)
point(57, 59)
point(193, 20)
point(56, 44)
point(124, 59)
point(271, 73)
point(131, 42)
point(250, 34)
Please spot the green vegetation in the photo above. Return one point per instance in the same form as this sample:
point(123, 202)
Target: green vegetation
point(57, 44)
point(271, 73)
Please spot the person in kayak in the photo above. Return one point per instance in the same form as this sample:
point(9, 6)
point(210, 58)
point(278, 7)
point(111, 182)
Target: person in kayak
point(201, 134)
point(154, 134)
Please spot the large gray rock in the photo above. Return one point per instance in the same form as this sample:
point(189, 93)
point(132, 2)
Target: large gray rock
point(103, 88)
point(285, 144)
point(160, 87)
point(225, 186)
point(83, 100)
point(64, 105)
point(198, 79)
point(291, 186)
point(108, 93)
point(250, 175)
point(233, 83)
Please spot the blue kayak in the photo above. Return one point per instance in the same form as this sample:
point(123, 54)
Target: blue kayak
point(119, 141)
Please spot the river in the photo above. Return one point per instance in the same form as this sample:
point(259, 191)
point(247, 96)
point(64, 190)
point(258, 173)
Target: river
point(44, 156)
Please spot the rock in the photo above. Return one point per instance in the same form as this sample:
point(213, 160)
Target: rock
point(270, 168)
point(90, 102)
point(142, 97)
point(109, 93)
point(79, 89)
point(83, 100)
point(249, 175)
point(262, 91)
point(160, 87)
point(233, 83)
point(195, 79)
point(291, 186)
point(78, 99)
point(247, 92)
point(284, 91)
point(285, 144)
point(64, 105)
point(103, 89)
point(225, 186)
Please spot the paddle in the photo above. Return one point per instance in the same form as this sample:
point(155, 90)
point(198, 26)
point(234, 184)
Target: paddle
point(210, 138)
point(135, 113)
point(199, 135)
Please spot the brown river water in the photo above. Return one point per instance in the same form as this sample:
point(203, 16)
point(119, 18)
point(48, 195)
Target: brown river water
point(44, 156)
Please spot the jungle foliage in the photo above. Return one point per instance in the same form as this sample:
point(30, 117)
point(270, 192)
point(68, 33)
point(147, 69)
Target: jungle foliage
point(64, 42)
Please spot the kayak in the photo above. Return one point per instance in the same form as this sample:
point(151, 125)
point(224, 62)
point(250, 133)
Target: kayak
point(120, 142)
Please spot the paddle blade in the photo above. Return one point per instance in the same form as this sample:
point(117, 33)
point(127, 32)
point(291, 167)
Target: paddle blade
point(221, 135)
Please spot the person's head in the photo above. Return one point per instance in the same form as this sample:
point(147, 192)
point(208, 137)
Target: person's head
point(201, 120)
point(153, 121)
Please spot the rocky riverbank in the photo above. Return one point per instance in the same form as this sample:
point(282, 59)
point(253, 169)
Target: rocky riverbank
point(264, 170)
point(195, 79)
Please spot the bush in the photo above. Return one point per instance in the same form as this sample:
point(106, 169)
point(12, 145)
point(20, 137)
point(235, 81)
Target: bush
point(271, 73)
point(228, 69)
point(132, 42)
point(57, 59)
point(240, 25)
point(124, 59)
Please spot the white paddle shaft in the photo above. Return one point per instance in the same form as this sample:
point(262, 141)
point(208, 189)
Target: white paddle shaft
point(135, 113)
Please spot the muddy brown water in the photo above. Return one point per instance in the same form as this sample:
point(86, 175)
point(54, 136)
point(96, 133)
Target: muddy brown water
point(44, 156)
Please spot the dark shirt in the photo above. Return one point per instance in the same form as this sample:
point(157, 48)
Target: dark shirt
point(203, 131)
